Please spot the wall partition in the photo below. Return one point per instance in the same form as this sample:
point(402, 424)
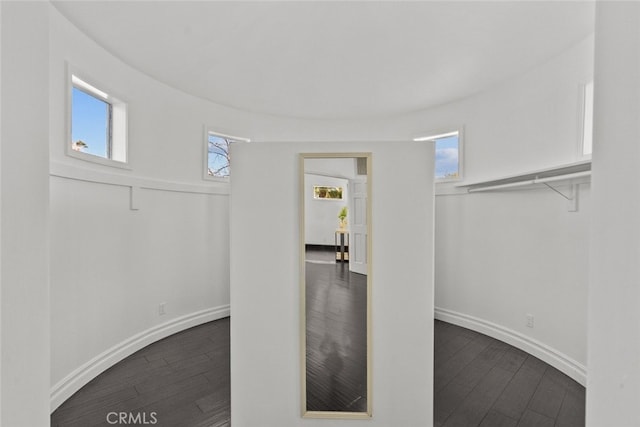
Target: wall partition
point(266, 367)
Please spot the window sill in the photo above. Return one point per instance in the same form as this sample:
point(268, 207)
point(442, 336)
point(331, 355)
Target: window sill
point(219, 180)
point(98, 160)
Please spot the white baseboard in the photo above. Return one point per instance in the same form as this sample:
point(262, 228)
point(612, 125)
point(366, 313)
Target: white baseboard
point(557, 359)
point(66, 387)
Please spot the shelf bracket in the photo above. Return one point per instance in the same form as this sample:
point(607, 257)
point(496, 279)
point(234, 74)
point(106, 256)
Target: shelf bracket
point(572, 198)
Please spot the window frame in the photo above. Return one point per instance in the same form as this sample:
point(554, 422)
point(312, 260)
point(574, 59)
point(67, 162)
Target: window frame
point(215, 131)
point(587, 107)
point(118, 144)
point(440, 133)
point(334, 199)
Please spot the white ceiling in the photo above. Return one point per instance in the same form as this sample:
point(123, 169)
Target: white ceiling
point(338, 60)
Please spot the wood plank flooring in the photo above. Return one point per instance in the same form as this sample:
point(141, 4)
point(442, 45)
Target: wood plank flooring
point(480, 381)
point(185, 379)
point(336, 334)
point(180, 381)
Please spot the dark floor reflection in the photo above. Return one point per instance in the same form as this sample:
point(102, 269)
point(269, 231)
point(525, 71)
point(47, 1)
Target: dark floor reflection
point(336, 316)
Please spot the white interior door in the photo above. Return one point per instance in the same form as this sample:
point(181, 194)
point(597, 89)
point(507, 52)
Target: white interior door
point(357, 218)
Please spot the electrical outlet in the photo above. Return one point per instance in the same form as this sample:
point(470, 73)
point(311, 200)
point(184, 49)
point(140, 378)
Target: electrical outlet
point(529, 320)
point(161, 308)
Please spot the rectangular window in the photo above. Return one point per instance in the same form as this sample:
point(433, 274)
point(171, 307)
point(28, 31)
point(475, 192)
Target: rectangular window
point(98, 125)
point(218, 157)
point(323, 192)
point(91, 124)
point(448, 147)
point(587, 121)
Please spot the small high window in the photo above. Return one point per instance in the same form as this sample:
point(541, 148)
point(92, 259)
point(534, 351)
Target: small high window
point(448, 150)
point(587, 121)
point(98, 125)
point(324, 192)
point(219, 156)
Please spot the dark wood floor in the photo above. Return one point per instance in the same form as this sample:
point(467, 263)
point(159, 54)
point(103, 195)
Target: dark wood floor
point(185, 379)
point(480, 381)
point(336, 333)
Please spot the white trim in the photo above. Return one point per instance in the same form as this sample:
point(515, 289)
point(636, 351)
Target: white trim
point(65, 388)
point(91, 158)
point(227, 136)
point(92, 90)
point(553, 357)
point(437, 132)
point(586, 116)
point(67, 171)
point(432, 138)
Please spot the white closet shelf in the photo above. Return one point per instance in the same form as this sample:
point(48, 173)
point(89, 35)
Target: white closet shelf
point(567, 172)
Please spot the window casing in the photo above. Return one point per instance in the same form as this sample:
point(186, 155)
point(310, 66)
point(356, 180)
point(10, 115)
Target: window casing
point(323, 192)
point(97, 125)
point(218, 156)
point(586, 145)
point(448, 155)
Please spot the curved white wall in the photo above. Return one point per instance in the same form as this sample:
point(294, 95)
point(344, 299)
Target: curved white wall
point(503, 255)
point(111, 266)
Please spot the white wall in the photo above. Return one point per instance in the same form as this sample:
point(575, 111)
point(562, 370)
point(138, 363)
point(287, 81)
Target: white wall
point(124, 253)
point(343, 168)
point(503, 255)
point(265, 326)
point(614, 319)
point(111, 265)
point(24, 287)
point(527, 123)
point(322, 214)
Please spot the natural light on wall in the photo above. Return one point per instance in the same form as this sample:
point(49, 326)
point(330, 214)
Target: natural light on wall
point(448, 155)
